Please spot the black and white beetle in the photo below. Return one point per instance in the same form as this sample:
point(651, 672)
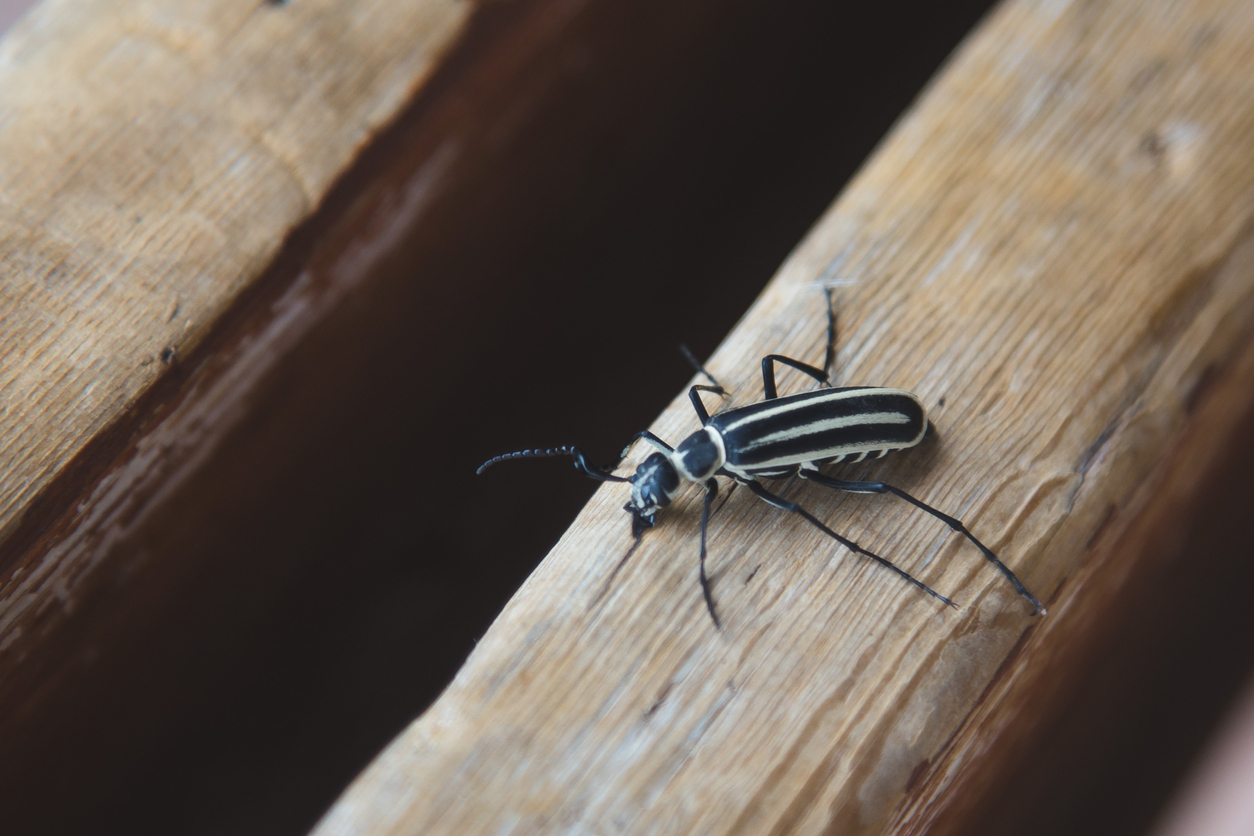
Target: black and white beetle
point(775, 438)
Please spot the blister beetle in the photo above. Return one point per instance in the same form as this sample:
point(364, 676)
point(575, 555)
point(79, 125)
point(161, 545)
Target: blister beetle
point(775, 438)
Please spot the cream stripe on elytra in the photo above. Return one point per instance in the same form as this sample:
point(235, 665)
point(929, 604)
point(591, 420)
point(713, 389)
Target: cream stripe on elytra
point(788, 404)
point(839, 422)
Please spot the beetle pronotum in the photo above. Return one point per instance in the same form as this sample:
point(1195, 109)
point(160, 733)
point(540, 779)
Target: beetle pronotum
point(775, 438)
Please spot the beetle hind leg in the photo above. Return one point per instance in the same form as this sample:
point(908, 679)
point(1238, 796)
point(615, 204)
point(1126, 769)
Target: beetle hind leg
point(792, 507)
point(953, 523)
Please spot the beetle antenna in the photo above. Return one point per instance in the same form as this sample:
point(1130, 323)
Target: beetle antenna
point(581, 462)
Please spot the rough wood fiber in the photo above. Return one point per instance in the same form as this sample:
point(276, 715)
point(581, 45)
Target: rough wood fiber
point(165, 254)
point(153, 158)
point(110, 276)
point(1053, 250)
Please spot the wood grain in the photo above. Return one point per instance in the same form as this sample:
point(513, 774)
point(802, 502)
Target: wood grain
point(133, 214)
point(1053, 250)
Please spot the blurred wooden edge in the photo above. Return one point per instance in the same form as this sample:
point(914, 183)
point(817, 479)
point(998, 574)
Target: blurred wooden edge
point(192, 198)
point(1053, 249)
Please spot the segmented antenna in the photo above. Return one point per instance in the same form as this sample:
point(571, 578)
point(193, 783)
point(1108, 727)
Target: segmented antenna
point(552, 452)
point(527, 454)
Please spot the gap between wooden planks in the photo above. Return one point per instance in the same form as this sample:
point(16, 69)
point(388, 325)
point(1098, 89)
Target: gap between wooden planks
point(188, 295)
point(1055, 244)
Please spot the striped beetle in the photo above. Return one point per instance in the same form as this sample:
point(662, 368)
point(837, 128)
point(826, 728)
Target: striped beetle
point(776, 438)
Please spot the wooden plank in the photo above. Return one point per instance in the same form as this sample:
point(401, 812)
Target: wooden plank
point(282, 284)
point(152, 169)
point(170, 251)
point(136, 213)
point(1053, 250)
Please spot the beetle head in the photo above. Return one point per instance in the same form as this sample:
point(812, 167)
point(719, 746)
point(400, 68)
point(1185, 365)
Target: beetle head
point(653, 486)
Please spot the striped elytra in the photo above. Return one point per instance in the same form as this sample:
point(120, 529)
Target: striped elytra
point(820, 426)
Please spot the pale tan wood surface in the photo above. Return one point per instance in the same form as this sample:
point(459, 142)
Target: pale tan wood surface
point(153, 156)
point(1053, 250)
point(231, 126)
